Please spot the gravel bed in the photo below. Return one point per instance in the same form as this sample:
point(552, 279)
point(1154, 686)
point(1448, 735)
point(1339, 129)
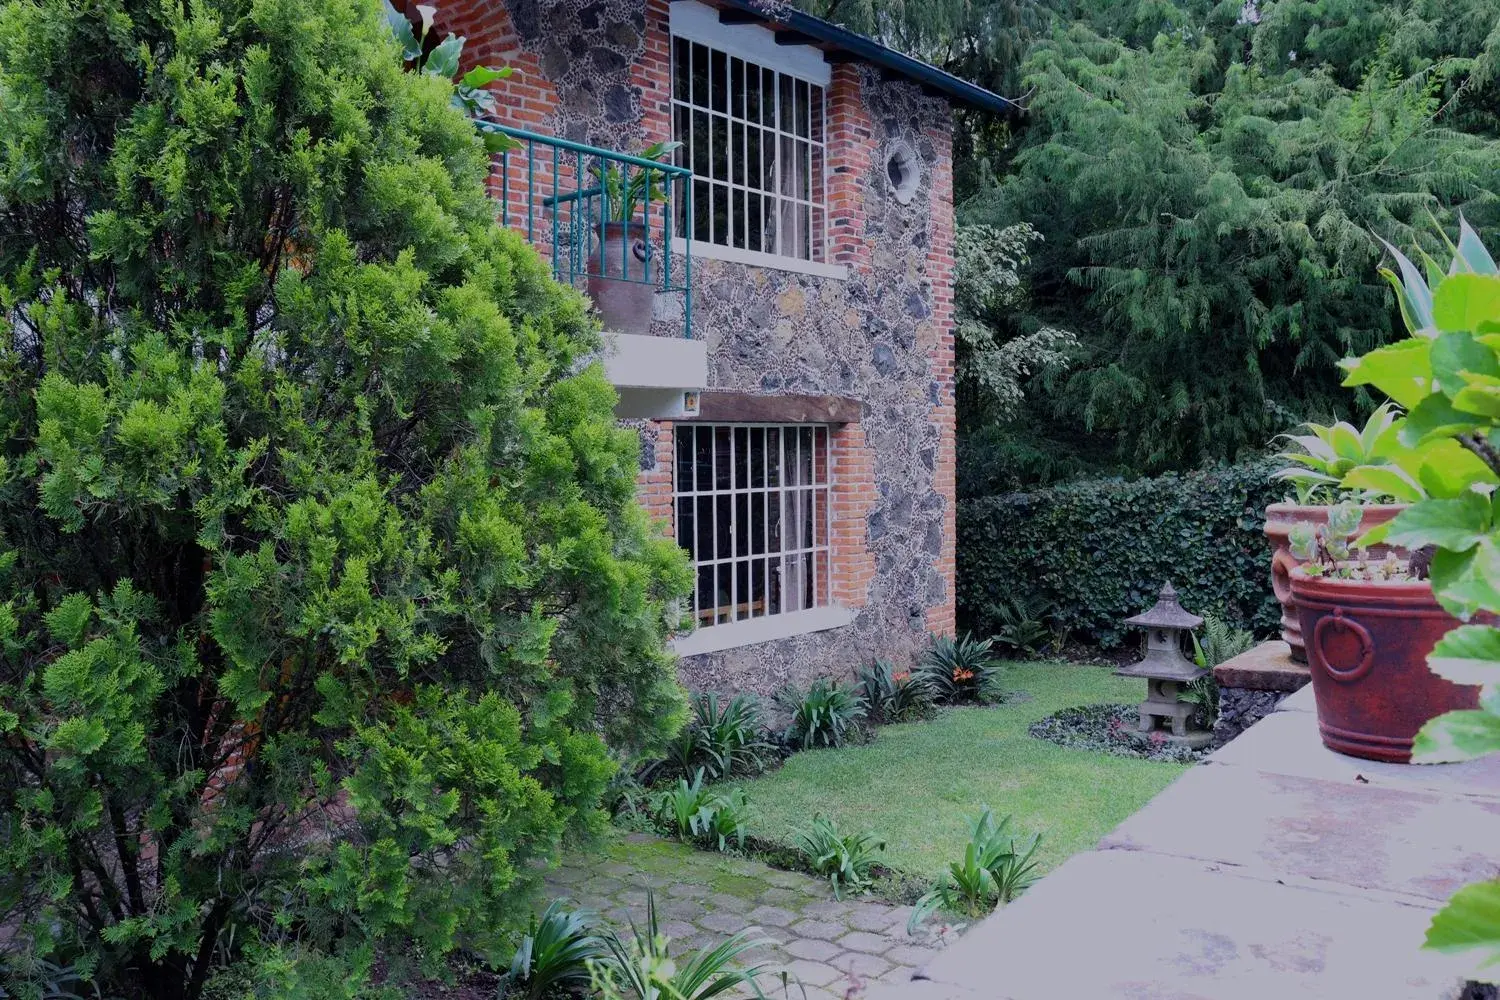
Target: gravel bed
point(1110, 729)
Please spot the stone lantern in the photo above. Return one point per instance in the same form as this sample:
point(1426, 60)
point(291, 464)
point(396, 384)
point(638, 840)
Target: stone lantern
point(1167, 671)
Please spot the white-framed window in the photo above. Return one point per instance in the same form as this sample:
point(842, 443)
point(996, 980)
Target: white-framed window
point(754, 512)
point(753, 132)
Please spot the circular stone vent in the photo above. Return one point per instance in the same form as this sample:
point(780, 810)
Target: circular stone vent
point(903, 171)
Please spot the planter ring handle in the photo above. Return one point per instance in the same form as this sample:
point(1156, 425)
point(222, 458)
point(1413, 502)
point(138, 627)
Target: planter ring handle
point(638, 249)
point(1366, 646)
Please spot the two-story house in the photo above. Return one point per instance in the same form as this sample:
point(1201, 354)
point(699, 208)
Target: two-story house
point(789, 359)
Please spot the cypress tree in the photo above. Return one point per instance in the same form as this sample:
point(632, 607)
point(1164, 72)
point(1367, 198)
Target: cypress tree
point(323, 590)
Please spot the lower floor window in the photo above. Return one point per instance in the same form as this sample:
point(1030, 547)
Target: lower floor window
point(753, 512)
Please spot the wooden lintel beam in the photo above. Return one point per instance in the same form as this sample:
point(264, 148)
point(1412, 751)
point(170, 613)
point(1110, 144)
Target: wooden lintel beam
point(742, 407)
point(793, 38)
point(731, 15)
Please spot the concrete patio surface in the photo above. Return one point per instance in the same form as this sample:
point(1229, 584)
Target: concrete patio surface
point(1276, 869)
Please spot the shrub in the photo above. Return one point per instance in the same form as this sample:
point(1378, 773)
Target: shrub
point(845, 859)
point(1095, 552)
point(894, 696)
point(959, 670)
point(824, 715)
point(992, 871)
point(554, 955)
point(643, 968)
point(324, 585)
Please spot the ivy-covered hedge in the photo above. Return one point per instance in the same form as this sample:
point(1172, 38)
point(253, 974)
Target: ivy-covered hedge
point(1095, 552)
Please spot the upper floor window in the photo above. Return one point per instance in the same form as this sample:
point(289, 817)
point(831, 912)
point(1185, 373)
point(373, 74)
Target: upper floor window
point(753, 135)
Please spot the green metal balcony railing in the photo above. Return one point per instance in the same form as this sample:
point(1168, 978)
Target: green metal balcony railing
point(570, 200)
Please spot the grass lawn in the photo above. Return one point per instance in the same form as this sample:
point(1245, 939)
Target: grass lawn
point(918, 785)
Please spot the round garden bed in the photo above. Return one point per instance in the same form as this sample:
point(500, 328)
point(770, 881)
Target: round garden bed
point(1110, 729)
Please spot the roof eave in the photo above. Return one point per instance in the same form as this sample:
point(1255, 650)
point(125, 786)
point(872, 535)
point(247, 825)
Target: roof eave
point(836, 39)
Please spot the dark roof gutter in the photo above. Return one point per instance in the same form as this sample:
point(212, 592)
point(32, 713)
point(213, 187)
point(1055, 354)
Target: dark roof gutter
point(794, 27)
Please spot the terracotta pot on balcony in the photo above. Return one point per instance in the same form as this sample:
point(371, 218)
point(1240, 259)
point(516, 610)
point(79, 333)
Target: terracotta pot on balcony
point(618, 279)
point(1367, 645)
point(1280, 518)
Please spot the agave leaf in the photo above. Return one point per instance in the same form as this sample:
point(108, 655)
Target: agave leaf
point(1471, 250)
point(1418, 295)
point(1313, 444)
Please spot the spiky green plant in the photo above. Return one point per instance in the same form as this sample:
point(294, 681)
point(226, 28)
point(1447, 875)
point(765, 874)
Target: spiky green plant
point(826, 714)
point(554, 955)
point(845, 859)
point(641, 967)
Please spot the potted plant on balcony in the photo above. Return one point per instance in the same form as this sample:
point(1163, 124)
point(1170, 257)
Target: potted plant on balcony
point(1369, 624)
point(620, 280)
point(1318, 466)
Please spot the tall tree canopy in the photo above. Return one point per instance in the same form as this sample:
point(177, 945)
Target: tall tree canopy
point(1210, 181)
point(323, 586)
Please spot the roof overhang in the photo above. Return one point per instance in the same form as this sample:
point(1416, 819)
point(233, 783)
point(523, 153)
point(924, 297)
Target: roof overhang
point(794, 27)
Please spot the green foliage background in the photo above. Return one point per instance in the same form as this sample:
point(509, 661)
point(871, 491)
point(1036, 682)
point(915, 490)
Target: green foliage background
point(1095, 552)
point(1208, 178)
point(323, 590)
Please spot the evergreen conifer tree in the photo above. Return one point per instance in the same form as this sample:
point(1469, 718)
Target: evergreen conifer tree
point(323, 588)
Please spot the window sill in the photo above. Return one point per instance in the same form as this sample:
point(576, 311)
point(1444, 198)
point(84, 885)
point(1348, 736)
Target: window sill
point(747, 633)
point(755, 258)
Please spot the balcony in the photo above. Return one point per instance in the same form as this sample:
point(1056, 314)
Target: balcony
point(607, 221)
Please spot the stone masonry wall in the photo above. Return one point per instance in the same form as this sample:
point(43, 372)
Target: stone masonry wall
point(597, 71)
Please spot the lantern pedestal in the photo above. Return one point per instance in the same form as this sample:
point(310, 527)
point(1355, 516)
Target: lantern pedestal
point(1165, 708)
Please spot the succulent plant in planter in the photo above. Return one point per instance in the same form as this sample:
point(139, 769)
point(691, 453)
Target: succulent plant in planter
point(1369, 624)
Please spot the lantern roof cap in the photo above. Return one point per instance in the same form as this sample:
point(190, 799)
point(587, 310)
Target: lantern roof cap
point(1167, 613)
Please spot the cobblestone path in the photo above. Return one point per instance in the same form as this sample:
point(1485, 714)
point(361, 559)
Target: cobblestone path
point(833, 948)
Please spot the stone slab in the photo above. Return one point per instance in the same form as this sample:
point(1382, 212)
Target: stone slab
point(1420, 844)
point(1287, 743)
point(1300, 701)
point(1127, 924)
point(1267, 667)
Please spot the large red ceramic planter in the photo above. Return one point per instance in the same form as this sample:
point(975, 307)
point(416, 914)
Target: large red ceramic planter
point(1367, 645)
point(1280, 519)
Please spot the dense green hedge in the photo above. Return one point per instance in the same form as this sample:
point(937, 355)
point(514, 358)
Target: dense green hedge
point(1095, 552)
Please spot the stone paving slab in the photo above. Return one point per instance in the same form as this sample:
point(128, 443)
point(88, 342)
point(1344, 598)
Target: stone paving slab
point(1148, 927)
point(1288, 743)
point(831, 948)
point(1272, 825)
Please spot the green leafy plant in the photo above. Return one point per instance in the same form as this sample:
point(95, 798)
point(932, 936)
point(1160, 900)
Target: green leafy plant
point(1219, 643)
point(731, 733)
point(845, 859)
point(993, 871)
point(442, 61)
point(960, 669)
point(1329, 453)
point(1020, 624)
point(1447, 377)
point(628, 187)
point(693, 812)
point(325, 591)
point(554, 955)
point(641, 967)
point(826, 714)
point(893, 695)
point(720, 739)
